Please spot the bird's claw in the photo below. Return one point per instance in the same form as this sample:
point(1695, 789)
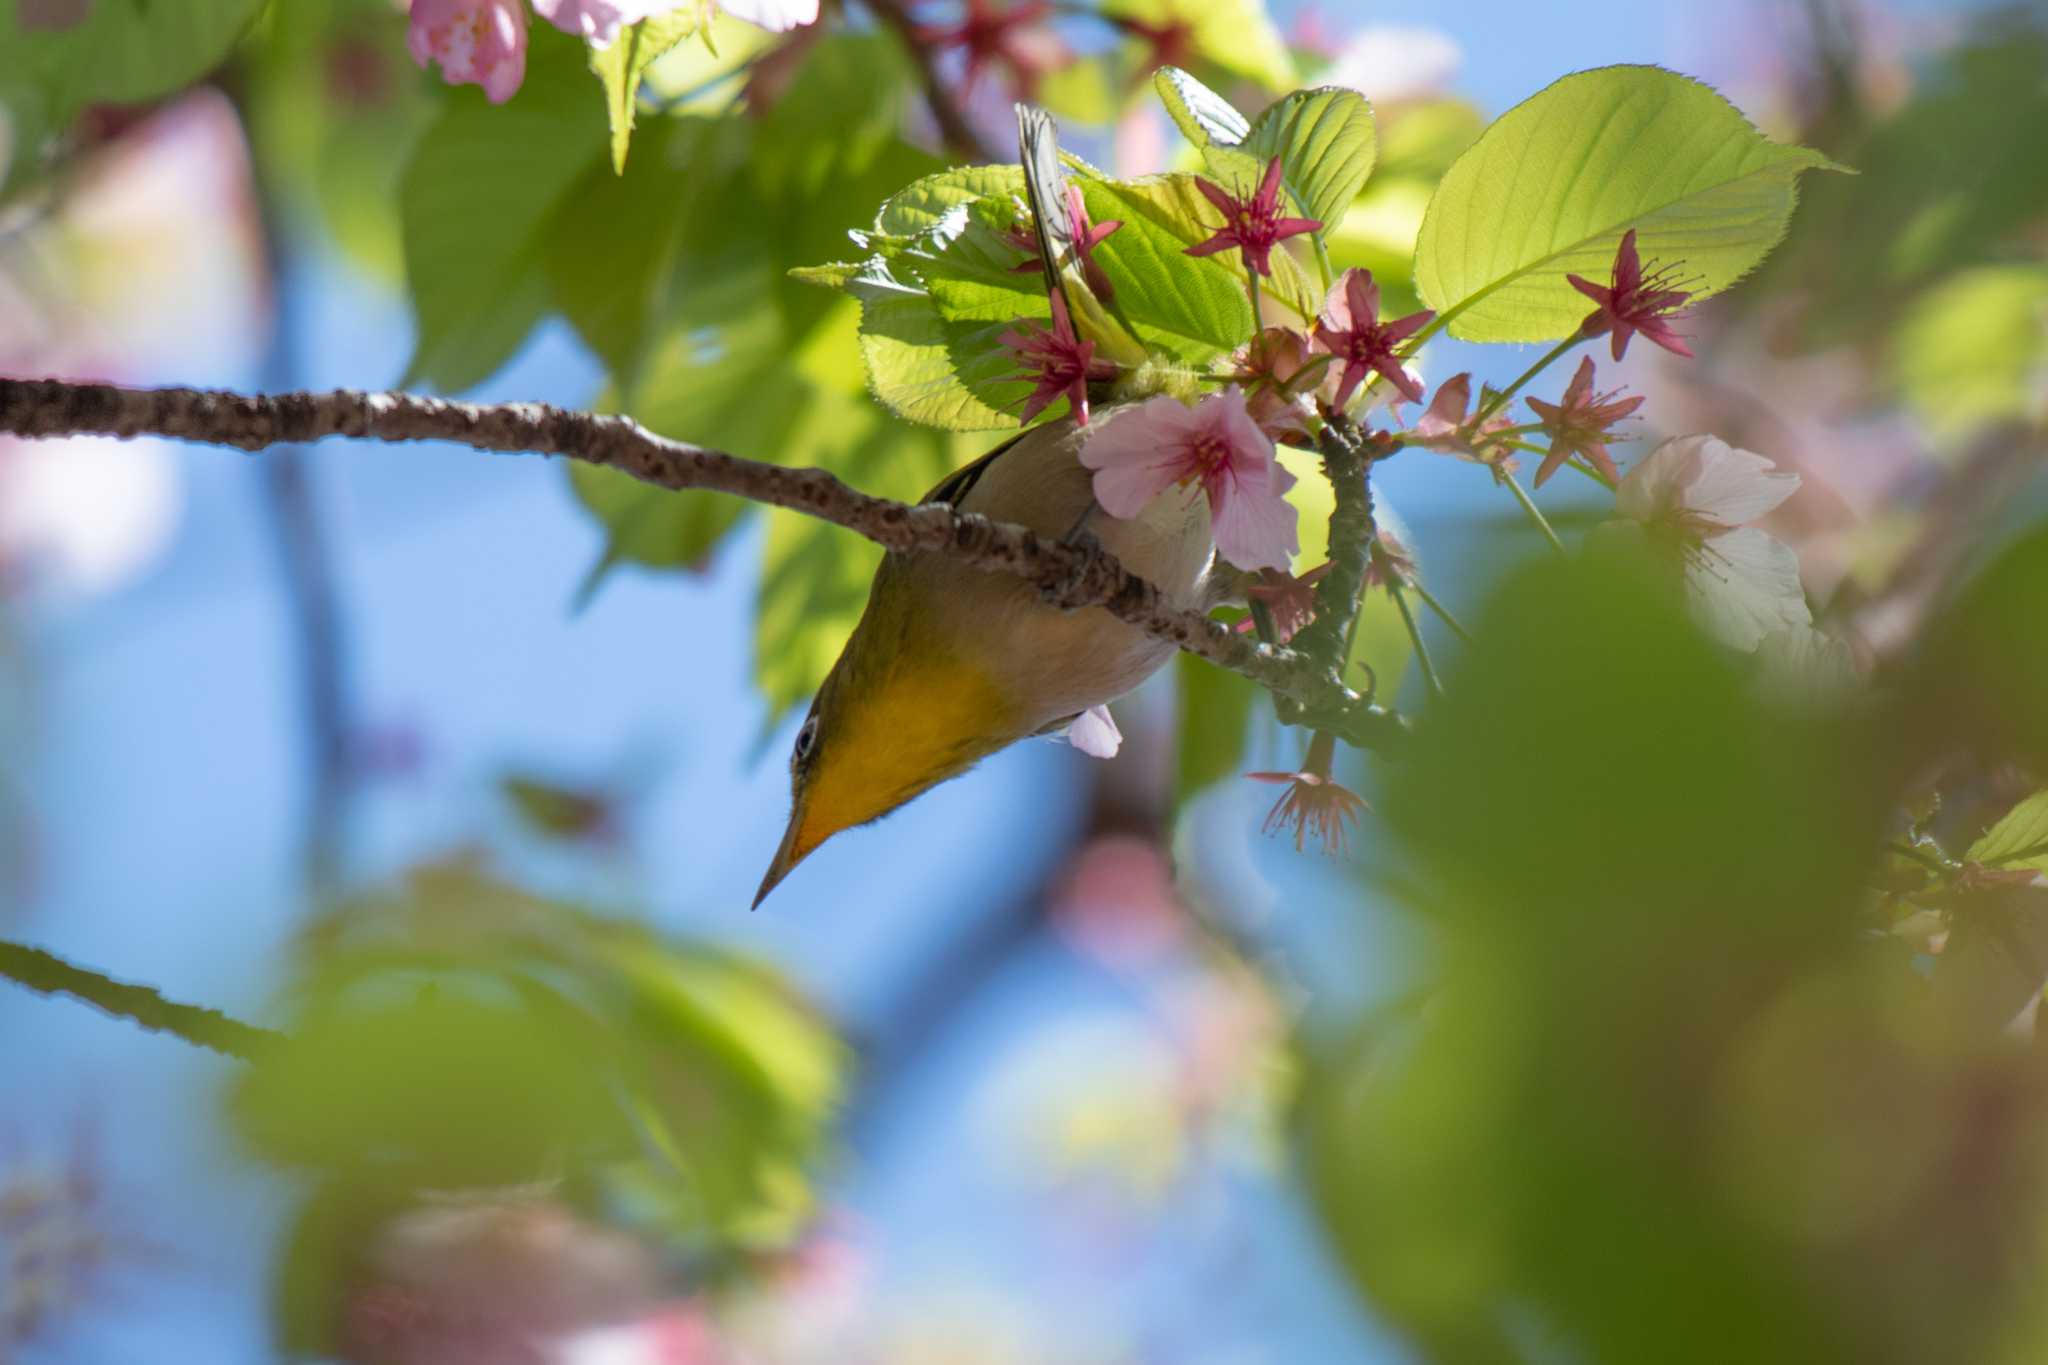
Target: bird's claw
point(1066, 592)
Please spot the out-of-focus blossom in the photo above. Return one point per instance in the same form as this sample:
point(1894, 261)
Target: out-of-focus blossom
point(1695, 495)
point(1289, 601)
point(1315, 805)
point(1633, 302)
point(992, 33)
point(1253, 225)
point(1276, 371)
point(1444, 427)
point(84, 515)
point(1214, 446)
point(1390, 62)
point(475, 42)
point(1095, 734)
point(1168, 42)
point(1350, 329)
point(63, 1249)
point(51, 16)
point(1116, 902)
point(504, 1279)
point(1579, 423)
point(1057, 361)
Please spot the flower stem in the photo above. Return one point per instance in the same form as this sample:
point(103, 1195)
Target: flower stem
point(1500, 400)
point(1323, 261)
point(1535, 513)
point(1443, 612)
point(1429, 674)
point(1251, 273)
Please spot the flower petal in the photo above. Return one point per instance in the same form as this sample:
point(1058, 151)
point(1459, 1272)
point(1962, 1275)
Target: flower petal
point(1745, 585)
point(1095, 734)
point(1255, 527)
point(1138, 454)
point(1735, 487)
point(777, 16)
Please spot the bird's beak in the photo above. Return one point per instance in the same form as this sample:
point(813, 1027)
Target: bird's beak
point(796, 846)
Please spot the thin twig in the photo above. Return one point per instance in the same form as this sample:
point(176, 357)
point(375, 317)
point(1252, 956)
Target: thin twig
point(1072, 577)
point(958, 134)
point(52, 975)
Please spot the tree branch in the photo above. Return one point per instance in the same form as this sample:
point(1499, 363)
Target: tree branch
point(41, 971)
point(1347, 463)
point(1070, 577)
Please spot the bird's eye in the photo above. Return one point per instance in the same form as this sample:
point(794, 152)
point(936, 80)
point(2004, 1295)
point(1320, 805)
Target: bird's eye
point(806, 741)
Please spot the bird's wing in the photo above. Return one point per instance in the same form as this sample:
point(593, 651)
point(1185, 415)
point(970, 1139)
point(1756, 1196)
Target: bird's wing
point(953, 488)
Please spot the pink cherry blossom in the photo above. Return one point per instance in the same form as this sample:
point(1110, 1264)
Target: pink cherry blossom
point(1214, 446)
point(477, 42)
point(1251, 224)
point(1350, 329)
point(1633, 302)
point(1056, 361)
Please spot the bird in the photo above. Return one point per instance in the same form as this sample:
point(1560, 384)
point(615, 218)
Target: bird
point(950, 663)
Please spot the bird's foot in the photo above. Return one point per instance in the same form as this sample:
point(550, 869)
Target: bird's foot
point(1066, 592)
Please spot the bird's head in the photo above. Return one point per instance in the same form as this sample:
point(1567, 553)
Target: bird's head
point(898, 714)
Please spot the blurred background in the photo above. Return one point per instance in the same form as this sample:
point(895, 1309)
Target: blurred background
point(463, 772)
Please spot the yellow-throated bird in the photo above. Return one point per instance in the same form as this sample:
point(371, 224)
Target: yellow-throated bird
point(950, 664)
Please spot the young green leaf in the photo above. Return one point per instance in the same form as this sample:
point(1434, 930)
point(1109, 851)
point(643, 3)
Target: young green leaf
point(620, 65)
point(1326, 144)
point(2018, 840)
point(1203, 116)
point(1555, 182)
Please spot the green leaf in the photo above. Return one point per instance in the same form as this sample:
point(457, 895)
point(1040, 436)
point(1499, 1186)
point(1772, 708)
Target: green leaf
point(121, 52)
point(1968, 350)
point(480, 189)
point(2020, 839)
point(697, 387)
point(920, 206)
point(935, 372)
point(1215, 712)
point(1556, 181)
point(1203, 116)
point(1326, 144)
point(610, 247)
point(620, 66)
point(1191, 307)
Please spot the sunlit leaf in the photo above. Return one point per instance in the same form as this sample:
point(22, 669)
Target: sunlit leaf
point(1556, 181)
point(1326, 143)
point(1971, 349)
point(2019, 839)
point(620, 65)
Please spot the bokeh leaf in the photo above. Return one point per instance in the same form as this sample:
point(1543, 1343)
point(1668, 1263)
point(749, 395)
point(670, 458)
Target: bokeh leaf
point(482, 186)
point(1556, 181)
